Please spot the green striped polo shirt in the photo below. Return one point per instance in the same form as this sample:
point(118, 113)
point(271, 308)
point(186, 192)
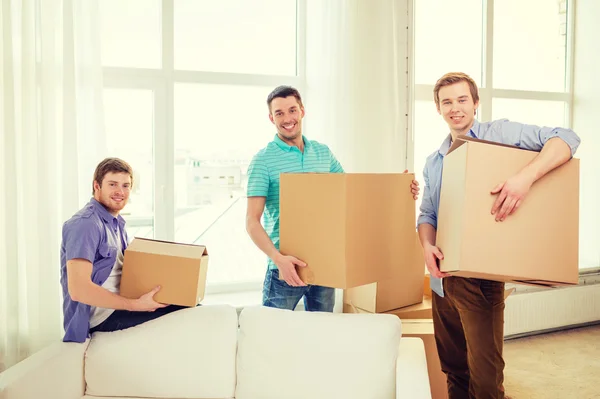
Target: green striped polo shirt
point(276, 158)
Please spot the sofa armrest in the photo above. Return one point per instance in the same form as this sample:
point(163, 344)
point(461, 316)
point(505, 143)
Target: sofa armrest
point(412, 378)
point(55, 372)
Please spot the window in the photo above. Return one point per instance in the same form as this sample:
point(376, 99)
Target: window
point(492, 42)
point(189, 113)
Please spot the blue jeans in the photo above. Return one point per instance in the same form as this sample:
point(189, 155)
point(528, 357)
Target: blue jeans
point(122, 319)
point(279, 294)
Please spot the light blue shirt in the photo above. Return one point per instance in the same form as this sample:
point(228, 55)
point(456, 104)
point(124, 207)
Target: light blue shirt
point(276, 158)
point(503, 131)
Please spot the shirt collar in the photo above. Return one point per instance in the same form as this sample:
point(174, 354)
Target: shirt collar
point(286, 147)
point(473, 132)
point(105, 215)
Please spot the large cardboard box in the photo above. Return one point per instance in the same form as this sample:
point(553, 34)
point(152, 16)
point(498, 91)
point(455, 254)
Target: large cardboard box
point(179, 269)
point(536, 245)
point(423, 328)
point(401, 288)
point(350, 229)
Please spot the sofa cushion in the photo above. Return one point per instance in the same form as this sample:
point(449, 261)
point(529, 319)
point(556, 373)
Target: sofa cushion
point(185, 354)
point(298, 355)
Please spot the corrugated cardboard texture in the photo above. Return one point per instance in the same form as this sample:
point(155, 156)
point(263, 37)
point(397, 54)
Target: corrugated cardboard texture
point(350, 229)
point(537, 244)
point(401, 288)
point(424, 329)
point(179, 269)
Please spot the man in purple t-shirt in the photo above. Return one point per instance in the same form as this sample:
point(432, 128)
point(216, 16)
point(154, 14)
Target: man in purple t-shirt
point(92, 251)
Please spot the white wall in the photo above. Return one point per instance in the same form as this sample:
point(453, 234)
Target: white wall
point(586, 109)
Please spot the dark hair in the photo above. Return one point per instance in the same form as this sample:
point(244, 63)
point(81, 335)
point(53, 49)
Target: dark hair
point(111, 165)
point(283, 92)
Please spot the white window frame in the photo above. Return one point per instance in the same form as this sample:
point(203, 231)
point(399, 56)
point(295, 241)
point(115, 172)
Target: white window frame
point(421, 92)
point(162, 82)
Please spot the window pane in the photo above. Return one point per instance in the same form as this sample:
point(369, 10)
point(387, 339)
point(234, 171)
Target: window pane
point(430, 131)
point(218, 129)
point(239, 36)
point(533, 112)
point(530, 44)
point(447, 39)
point(129, 124)
point(130, 33)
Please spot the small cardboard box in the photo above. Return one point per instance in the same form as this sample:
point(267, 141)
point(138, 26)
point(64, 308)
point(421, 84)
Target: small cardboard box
point(350, 229)
point(179, 269)
point(402, 288)
point(423, 328)
point(421, 310)
point(537, 245)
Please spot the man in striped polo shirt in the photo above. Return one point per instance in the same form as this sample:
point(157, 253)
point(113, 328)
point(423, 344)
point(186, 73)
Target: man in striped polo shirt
point(289, 152)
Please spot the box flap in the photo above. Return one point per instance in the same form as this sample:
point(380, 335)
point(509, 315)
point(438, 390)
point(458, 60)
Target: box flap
point(462, 139)
point(167, 248)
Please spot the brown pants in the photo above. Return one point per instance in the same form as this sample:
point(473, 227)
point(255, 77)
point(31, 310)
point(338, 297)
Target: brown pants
point(469, 334)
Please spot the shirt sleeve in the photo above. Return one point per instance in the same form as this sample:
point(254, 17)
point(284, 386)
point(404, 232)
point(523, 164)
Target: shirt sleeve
point(81, 239)
point(428, 213)
point(532, 137)
point(335, 166)
point(258, 178)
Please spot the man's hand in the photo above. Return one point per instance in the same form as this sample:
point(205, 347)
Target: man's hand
point(432, 254)
point(414, 187)
point(511, 195)
point(146, 302)
point(287, 270)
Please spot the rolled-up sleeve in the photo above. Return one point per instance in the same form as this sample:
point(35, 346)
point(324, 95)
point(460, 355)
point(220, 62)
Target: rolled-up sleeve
point(532, 137)
point(428, 212)
point(81, 239)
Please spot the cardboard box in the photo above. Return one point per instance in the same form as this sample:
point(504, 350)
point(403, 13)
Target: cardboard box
point(402, 288)
point(424, 329)
point(536, 245)
point(179, 269)
point(421, 310)
point(350, 229)
point(427, 286)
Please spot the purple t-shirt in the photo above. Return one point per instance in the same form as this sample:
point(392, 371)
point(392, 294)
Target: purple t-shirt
point(91, 234)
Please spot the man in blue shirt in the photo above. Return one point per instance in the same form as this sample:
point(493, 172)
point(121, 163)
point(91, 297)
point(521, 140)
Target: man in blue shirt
point(92, 252)
point(468, 313)
point(289, 152)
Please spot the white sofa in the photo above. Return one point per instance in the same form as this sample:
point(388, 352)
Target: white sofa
point(208, 353)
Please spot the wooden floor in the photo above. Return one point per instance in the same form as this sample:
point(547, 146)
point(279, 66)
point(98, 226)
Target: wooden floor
point(561, 365)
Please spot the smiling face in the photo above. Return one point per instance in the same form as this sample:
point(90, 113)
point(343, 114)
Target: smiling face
point(286, 114)
point(457, 107)
point(113, 191)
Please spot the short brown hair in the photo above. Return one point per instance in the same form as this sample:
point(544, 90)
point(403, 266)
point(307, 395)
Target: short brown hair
point(111, 165)
point(283, 92)
point(452, 78)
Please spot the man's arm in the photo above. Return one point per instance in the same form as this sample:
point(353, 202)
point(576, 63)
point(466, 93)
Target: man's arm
point(81, 239)
point(285, 264)
point(82, 289)
point(557, 146)
point(427, 225)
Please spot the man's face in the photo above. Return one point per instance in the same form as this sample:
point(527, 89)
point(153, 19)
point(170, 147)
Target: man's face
point(114, 191)
point(286, 114)
point(457, 107)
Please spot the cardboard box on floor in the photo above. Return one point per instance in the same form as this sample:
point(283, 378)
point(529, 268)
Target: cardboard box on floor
point(350, 229)
point(537, 245)
point(423, 328)
point(179, 269)
point(422, 310)
point(401, 288)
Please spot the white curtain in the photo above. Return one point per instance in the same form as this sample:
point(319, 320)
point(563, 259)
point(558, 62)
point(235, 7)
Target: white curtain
point(356, 69)
point(50, 127)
